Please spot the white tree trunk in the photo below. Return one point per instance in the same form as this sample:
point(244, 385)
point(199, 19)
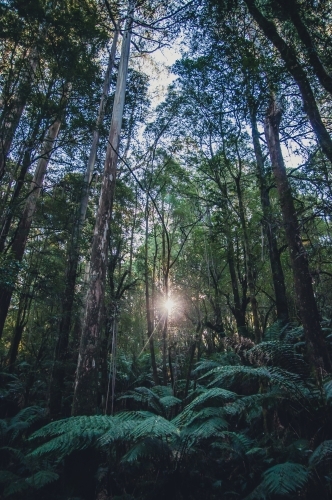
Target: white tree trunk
point(86, 382)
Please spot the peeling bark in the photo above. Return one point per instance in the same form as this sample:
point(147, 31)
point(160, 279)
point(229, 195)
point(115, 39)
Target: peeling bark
point(86, 382)
point(73, 254)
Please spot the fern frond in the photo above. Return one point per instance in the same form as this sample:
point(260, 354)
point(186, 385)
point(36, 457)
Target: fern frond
point(121, 432)
point(250, 379)
point(41, 478)
point(143, 395)
point(169, 401)
point(76, 425)
point(234, 443)
point(280, 354)
point(322, 453)
point(15, 487)
point(205, 365)
point(328, 390)
point(211, 397)
point(8, 477)
point(149, 448)
point(76, 439)
point(210, 429)
point(154, 427)
point(204, 414)
point(234, 377)
point(286, 478)
point(136, 416)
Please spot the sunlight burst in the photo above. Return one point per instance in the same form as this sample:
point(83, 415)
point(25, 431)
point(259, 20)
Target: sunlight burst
point(169, 305)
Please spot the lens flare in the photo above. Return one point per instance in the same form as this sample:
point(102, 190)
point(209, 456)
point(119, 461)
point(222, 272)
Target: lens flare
point(169, 304)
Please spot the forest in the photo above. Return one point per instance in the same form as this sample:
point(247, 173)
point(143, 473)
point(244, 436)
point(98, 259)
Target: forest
point(165, 249)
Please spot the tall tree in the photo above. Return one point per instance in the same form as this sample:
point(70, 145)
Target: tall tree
point(86, 382)
point(306, 302)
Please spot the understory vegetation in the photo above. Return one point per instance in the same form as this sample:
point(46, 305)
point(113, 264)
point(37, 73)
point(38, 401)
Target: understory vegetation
point(254, 425)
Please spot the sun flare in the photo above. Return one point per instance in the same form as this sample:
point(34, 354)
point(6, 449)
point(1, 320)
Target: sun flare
point(169, 305)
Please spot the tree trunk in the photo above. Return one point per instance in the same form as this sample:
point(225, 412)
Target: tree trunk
point(11, 115)
point(86, 382)
point(289, 57)
point(61, 353)
point(291, 9)
point(14, 201)
point(239, 308)
point(269, 225)
point(149, 307)
point(22, 232)
point(248, 262)
point(307, 307)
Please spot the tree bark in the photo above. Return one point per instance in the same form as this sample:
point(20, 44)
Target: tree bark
point(14, 201)
point(291, 9)
point(61, 353)
point(248, 262)
point(86, 381)
point(148, 302)
point(307, 307)
point(269, 225)
point(21, 236)
point(289, 57)
point(11, 115)
point(239, 308)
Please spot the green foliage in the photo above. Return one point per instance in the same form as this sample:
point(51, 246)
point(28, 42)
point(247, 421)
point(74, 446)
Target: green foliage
point(283, 479)
point(322, 454)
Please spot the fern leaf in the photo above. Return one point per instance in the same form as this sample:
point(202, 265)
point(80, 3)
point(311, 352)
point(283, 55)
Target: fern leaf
point(149, 448)
point(209, 429)
point(322, 453)
point(286, 478)
point(212, 397)
point(41, 478)
point(7, 477)
point(328, 390)
point(156, 427)
point(15, 487)
point(169, 401)
point(74, 425)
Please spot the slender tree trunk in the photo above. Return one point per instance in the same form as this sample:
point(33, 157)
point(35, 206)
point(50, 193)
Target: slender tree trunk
point(239, 308)
point(307, 307)
point(14, 201)
point(149, 308)
point(249, 267)
point(12, 113)
point(21, 322)
point(86, 382)
point(269, 224)
point(23, 229)
point(61, 353)
point(291, 9)
point(294, 67)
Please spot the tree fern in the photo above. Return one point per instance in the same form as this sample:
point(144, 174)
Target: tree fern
point(73, 424)
point(280, 354)
point(149, 448)
point(211, 428)
point(155, 427)
point(282, 479)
